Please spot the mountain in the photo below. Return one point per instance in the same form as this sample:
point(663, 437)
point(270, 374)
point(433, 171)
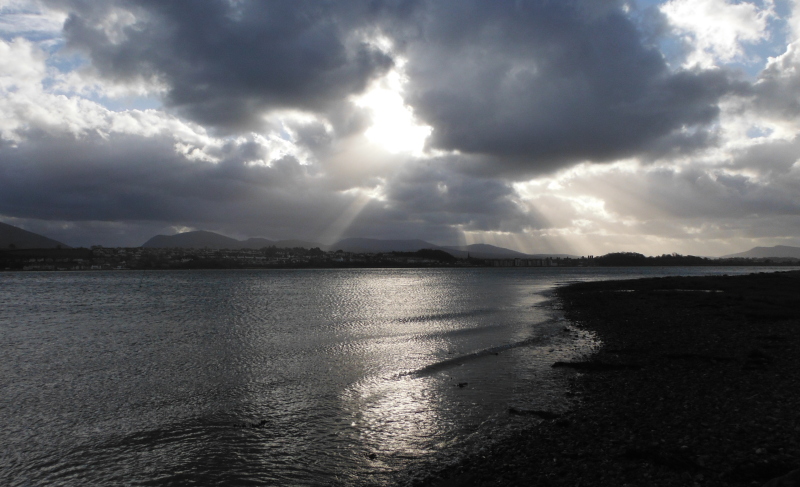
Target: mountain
point(374, 245)
point(478, 251)
point(202, 239)
point(194, 240)
point(23, 239)
point(766, 252)
point(486, 251)
point(290, 244)
point(254, 243)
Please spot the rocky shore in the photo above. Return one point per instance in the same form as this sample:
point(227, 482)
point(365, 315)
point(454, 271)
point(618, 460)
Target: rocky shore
point(696, 382)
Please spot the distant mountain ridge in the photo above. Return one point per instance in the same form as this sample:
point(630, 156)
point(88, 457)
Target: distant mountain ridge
point(204, 239)
point(768, 252)
point(487, 251)
point(359, 245)
point(15, 237)
point(197, 239)
point(478, 251)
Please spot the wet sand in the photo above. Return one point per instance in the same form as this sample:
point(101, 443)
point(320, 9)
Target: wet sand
point(696, 382)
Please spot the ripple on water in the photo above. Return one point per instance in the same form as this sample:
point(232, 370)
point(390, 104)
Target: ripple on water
point(271, 377)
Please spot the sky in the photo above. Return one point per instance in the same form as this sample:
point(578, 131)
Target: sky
point(581, 127)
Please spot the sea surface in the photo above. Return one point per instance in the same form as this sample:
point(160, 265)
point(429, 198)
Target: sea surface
point(276, 377)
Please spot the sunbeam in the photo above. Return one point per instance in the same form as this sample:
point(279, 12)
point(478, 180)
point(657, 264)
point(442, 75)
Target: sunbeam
point(339, 226)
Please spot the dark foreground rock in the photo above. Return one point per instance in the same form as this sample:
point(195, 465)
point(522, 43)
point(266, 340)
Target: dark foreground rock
point(713, 398)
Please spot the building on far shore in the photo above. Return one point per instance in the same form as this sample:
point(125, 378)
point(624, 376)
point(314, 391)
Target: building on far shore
point(522, 262)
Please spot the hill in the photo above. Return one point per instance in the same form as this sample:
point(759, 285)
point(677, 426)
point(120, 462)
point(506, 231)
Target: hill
point(486, 251)
point(255, 243)
point(290, 244)
point(374, 245)
point(767, 252)
point(15, 237)
point(202, 239)
point(194, 240)
point(478, 251)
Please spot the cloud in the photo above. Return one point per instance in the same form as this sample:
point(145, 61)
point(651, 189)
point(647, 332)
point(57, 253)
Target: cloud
point(552, 125)
point(21, 17)
point(132, 178)
point(778, 87)
point(719, 205)
point(716, 30)
point(30, 106)
point(432, 191)
point(532, 87)
point(227, 63)
point(98, 180)
point(540, 85)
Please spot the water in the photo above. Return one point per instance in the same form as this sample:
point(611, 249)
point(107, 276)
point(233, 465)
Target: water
point(295, 377)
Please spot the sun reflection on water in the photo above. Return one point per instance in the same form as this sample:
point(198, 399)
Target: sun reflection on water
point(396, 418)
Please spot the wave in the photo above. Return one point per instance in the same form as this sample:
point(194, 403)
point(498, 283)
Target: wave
point(446, 316)
point(457, 361)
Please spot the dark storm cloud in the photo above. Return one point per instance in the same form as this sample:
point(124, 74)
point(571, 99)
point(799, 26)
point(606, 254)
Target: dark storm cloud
point(695, 195)
point(137, 179)
point(434, 193)
point(227, 62)
point(514, 89)
point(542, 84)
point(777, 92)
point(146, 183)
point(776, 157)
point(430, 201)
point(531, 86)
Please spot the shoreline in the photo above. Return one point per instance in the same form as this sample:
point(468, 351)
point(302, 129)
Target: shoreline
point(696, 382)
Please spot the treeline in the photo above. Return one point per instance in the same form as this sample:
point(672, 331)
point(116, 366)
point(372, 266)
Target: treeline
point(271, 257)
point(15, 259)
point(430, 254)
point(633, 259)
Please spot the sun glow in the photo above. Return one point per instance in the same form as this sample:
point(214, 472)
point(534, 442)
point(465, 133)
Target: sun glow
point(394, 127)
point(339, 226)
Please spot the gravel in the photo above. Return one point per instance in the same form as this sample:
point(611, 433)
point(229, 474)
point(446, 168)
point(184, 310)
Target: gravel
point(696, 382)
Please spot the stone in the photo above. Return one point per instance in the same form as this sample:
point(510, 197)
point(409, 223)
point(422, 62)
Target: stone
point(791, 479)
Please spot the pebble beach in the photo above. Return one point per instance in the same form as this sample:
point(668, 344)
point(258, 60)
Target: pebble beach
point(695, 382)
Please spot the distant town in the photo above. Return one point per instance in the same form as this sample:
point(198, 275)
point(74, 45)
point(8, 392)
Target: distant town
point(21, 250)
point(144, 258)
